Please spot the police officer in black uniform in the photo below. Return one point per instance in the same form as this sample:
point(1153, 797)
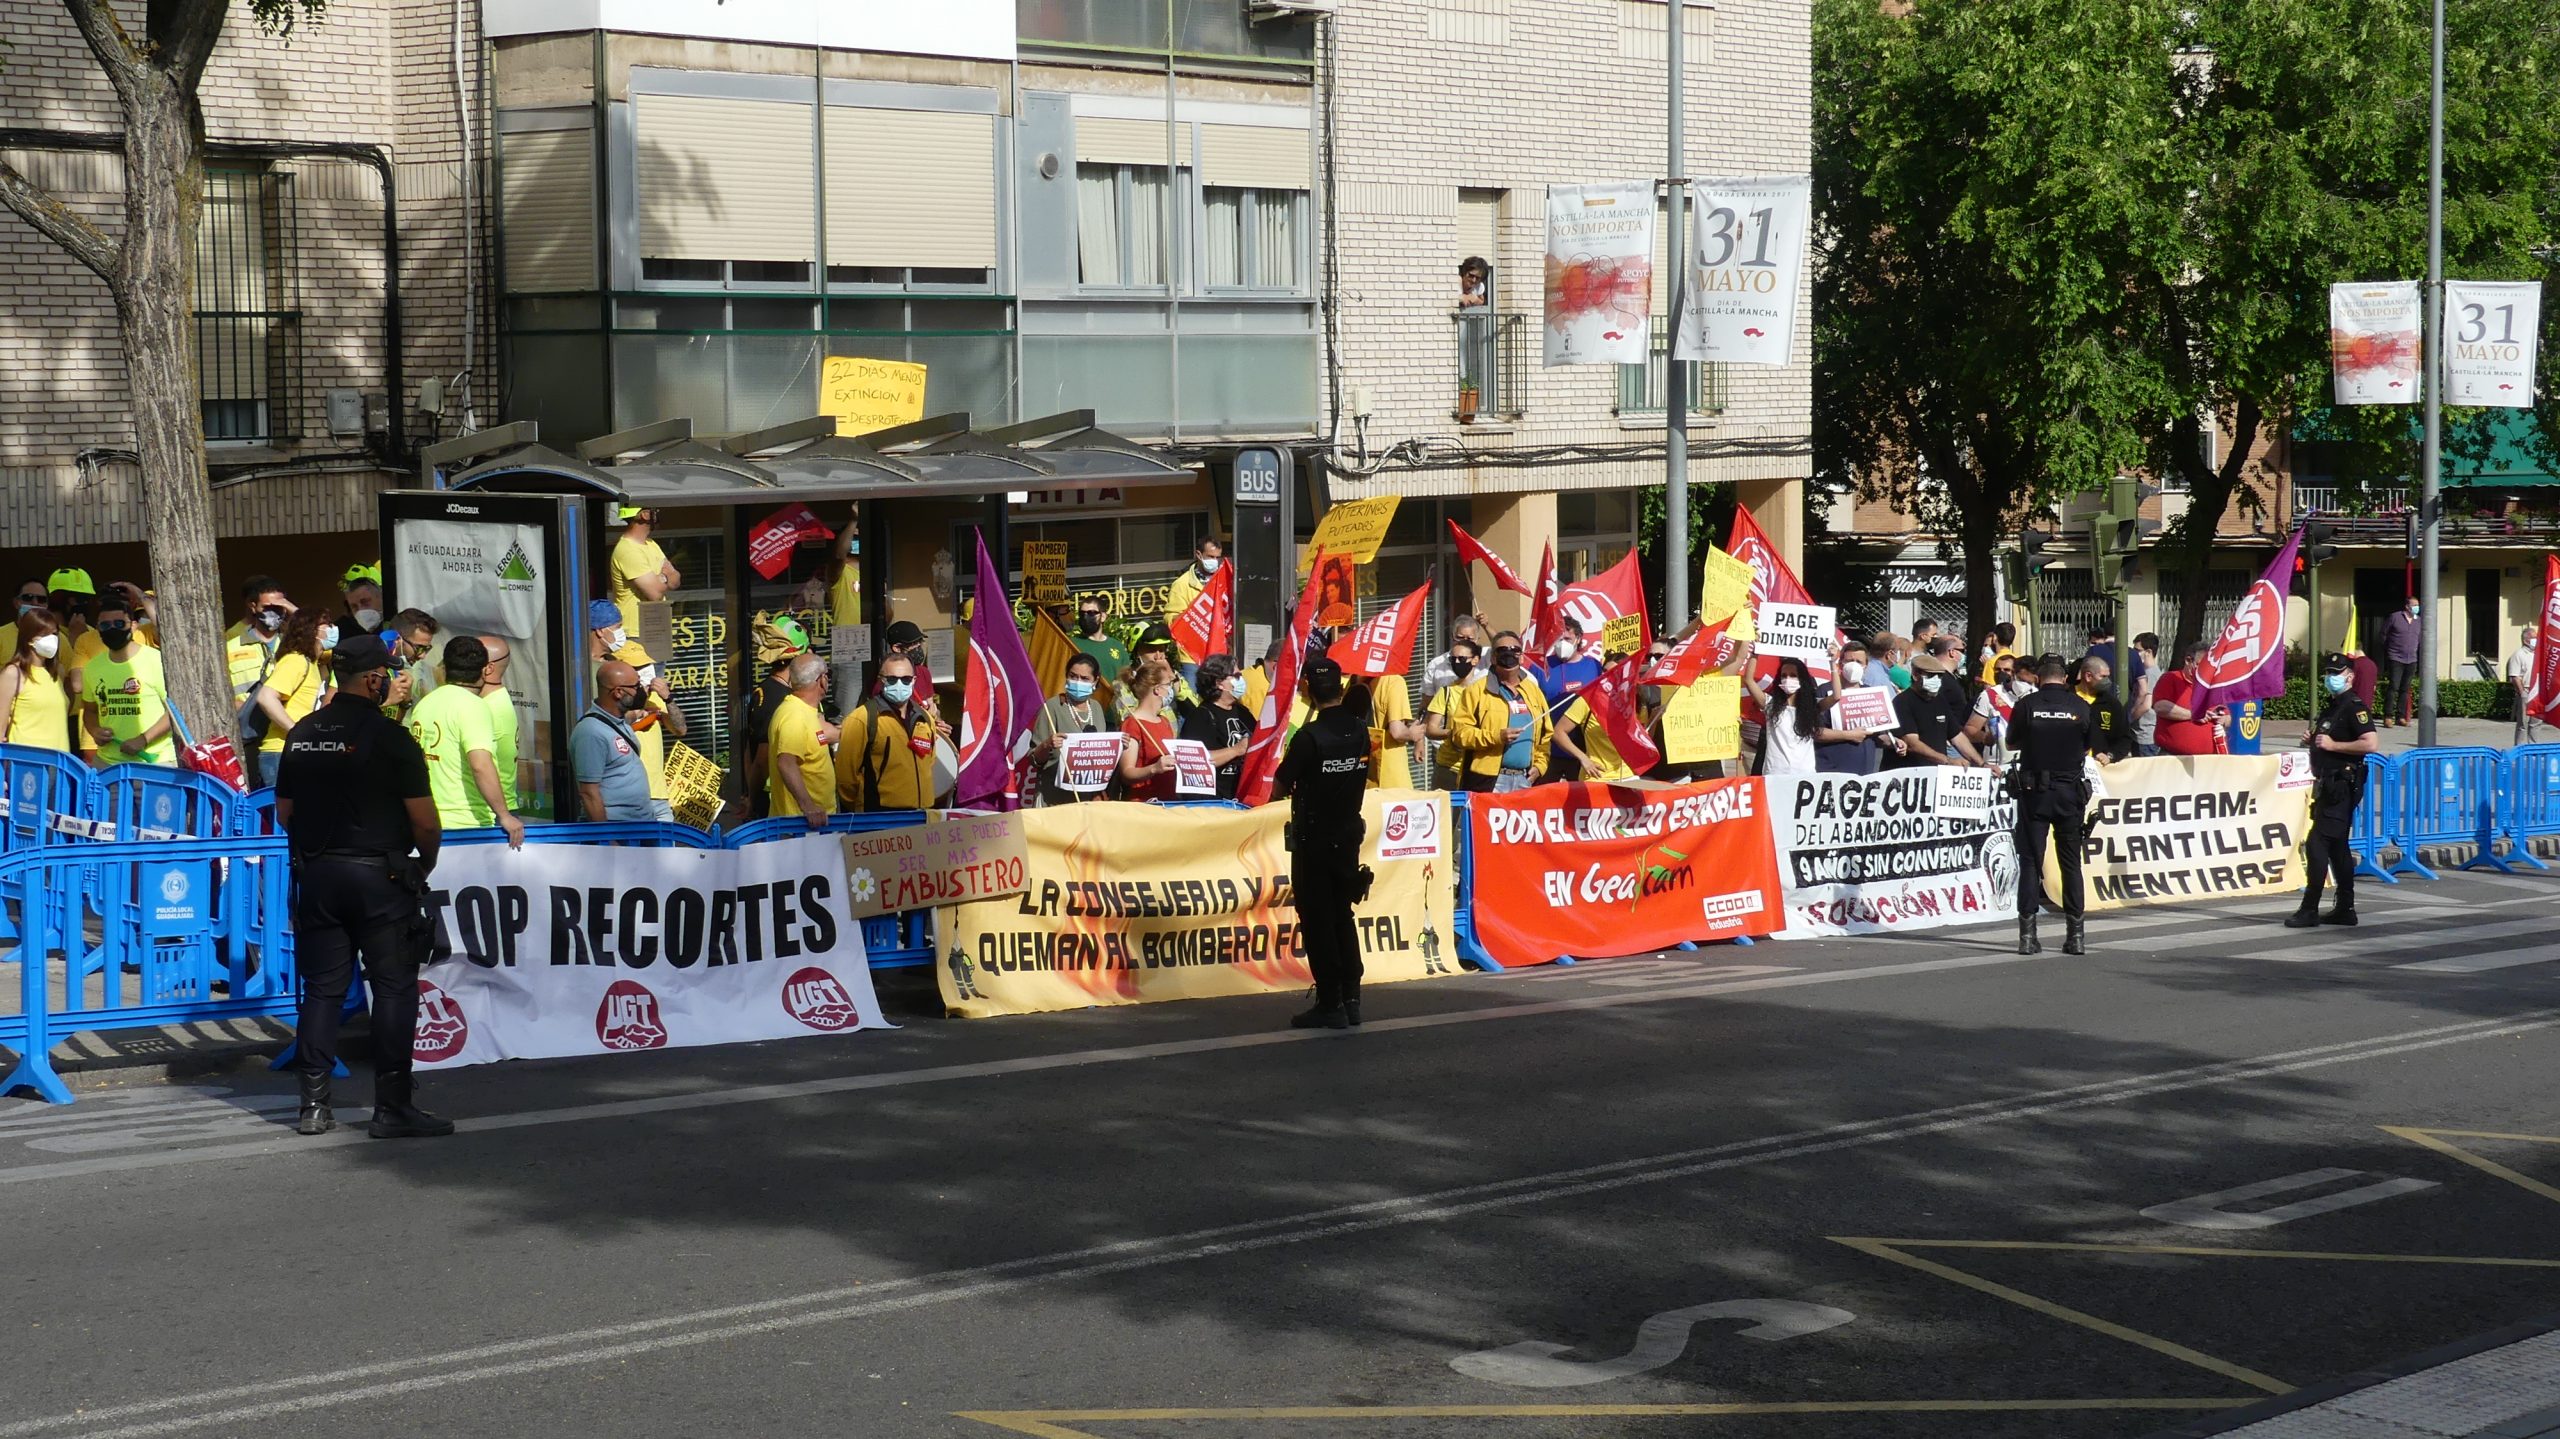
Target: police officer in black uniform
point(1325, 776)
point(2052, 731)
point(2338, 741)
point(351, 793)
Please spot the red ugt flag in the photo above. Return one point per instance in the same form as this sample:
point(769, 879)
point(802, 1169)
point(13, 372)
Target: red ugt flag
point(1614, 593)
point(1613, 702)
point(1472, 552)
point(2544, 698)
point(1262, 752)
point(2247, 660)
point(1542, 605)
point(1002, 695)
point(1770, 580)
point(1383, 645)
point(1205, 624)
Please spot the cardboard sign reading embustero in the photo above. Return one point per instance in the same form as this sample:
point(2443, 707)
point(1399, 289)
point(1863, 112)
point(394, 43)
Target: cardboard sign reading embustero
point(947, 861)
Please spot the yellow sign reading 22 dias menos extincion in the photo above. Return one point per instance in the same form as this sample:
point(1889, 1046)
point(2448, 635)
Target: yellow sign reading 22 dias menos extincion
point(1128, 904)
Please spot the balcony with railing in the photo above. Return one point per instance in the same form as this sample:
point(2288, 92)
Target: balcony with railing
point(1493, 364)
point(1642, 388)
point(2379, 515)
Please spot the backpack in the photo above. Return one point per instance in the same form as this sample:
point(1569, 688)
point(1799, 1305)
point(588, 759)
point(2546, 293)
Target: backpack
point(252, 721)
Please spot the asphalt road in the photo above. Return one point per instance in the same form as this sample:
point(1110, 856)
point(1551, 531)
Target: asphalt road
point(1911, 1187)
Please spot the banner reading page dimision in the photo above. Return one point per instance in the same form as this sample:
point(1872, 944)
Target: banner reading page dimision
point(1865, 853)
point(591, 949)
point(1598, 869)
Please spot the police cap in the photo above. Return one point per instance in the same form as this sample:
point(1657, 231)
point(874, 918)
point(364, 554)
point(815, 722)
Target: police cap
point(361, 654)
point(2333, 661)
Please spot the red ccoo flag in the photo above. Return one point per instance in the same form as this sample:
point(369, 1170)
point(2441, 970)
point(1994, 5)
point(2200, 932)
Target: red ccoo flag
point(1705, 649)
point(1384, 644)
point(1614, 593)
point(2544, 699)
point(1613, 702)
point(1205, 625)
point(1262, 752)
point(1542, 606)
point(1771, 579)
point(1473, 552)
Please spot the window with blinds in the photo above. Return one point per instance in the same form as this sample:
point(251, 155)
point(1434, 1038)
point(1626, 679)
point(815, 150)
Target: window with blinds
point(725, 182)
point(547, 196)
point(248, 323)
point(911, 196)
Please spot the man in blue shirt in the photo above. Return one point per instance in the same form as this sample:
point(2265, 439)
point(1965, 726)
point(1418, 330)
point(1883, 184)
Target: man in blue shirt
point(605, 756)
point(1566, 669)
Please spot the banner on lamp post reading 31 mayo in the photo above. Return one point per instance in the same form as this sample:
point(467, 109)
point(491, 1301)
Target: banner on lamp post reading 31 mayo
point(1600, 869)
point(1599, 273)
point(1862, 854)
point(590, 949)
point(2178, 828)
point(1746, 269)
point(1130, 903)
point(2491, 331)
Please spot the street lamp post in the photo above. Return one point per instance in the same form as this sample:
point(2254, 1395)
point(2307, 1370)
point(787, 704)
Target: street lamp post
point(1675, 399)
point(2431, 451)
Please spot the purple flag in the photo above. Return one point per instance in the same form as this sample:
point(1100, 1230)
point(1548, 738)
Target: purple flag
point(1000, 700)
point(2247, 661)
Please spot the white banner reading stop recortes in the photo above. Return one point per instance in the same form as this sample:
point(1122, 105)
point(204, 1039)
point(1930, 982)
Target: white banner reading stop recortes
point(592, 949)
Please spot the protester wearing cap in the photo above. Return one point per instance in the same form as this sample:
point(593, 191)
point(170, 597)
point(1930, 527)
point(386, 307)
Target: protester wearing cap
point(452, 726)
point(125, 693)
point(652, 720)
point(361, 588)
point(779, 640)
point(640, 569)
point(1325, 777)
point(1156, 642)
point(1931, 716)
point(2339, 741)
point(604, 754)
point(353, 798)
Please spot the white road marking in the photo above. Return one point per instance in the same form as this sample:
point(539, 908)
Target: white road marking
point(2366, 942)
point(1660, 1341)
point(864, 1300)
point(2483, 963)
point(2212, 1211)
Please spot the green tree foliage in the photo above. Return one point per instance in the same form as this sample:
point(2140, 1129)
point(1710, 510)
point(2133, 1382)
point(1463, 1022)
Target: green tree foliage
point(2130, 212)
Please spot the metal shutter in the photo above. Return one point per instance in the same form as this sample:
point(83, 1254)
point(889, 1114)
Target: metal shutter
point(1102, 141)
point(725, 179)
point(548, 195)
point(911, 188)
point(1480, 226)
point(1254, 157)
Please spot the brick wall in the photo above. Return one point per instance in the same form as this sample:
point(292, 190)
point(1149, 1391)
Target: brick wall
point(1515, 95)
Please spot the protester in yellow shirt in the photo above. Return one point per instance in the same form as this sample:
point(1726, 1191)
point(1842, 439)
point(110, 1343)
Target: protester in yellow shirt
point(802, 780)
point(452, 726)
point(34, 709)
point(125, 700)
point(295, 684)
point(640, 570)
point(249, 646)
point(32, 595)
point(504, 723)
point(887, 759)
point(1392, 732)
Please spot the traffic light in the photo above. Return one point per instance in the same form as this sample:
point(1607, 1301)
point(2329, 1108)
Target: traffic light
point(2028, 559)
point(2317, 545)
point(2115, 533)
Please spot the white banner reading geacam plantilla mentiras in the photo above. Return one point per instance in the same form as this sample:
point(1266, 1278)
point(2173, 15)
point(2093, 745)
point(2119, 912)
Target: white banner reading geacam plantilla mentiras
point(591, 949)
point(1858, 854)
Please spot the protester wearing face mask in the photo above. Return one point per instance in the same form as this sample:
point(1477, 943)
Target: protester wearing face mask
point(1930, 718)
point(1157, 644)
point(604, 754)
point(653, 721)
point(249, 646)
point(1223, 724)
point(905, 640)
point(1080, 707)
point(1568, 668)
point(1505, 733)
point(125, 700)
point(1206, 559)
point(1458, 696)
point(1996, 706)
point(804, 780)
point(296, 683)
point(1843, 748)
point(885, 761)
point(35, 711)
point(2402, 634)
point(2339, 742)
point(32, 595)
point(1110, 657)
point(2097, 688)
point(363, 594)
point(1148, 731)
point(1441, 673)
point(1790, 718)
point(640, 570)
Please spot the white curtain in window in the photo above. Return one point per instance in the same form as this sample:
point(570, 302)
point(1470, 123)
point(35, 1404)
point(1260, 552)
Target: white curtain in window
point(1275, 240)
point(1098, 224)
point(1224, 237)
point(1147, 192)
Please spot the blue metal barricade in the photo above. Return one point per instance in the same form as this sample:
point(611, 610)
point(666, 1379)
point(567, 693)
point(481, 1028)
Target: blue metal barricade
point(2372, 831)
point(2529, 800)
point(194, 930)
point(158, 801)
point(2447, 796)
point(645, 834)
point(38, 788)
point(1462, 926)
point(889, 941)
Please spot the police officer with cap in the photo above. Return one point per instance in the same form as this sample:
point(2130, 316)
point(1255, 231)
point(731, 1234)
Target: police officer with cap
point(1325, 777)
point(2339, 741)
point(2053, 731)
point(352, 795)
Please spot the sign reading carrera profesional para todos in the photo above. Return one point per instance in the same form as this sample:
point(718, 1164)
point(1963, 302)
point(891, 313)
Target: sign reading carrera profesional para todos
point(1867, 853)
point(1127, 904)
point(2175, 828)
point(592, 949)
point(1600, 869)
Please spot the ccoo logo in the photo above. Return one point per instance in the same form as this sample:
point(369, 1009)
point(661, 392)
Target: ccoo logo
point(817, 1000)
point(629, 1019)
point(442, 1029)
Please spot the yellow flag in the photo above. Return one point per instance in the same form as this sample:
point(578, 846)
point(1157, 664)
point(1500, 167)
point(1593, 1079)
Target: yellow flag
point(2348, 645)
point(1050, 649)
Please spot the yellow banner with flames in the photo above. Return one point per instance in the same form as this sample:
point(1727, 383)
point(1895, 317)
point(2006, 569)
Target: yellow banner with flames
point(1133, 903)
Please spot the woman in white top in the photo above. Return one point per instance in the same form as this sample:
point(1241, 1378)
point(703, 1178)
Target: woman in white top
point(1791, 719)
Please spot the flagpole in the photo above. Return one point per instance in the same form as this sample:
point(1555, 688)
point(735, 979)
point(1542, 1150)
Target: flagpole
point(2431, 452)
point(1675, 397)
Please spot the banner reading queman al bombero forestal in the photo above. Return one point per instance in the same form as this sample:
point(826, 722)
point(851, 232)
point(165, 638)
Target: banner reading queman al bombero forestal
point(591, 949)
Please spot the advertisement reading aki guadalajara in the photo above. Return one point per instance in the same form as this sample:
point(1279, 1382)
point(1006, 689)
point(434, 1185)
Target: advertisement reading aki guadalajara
point(1598, 869)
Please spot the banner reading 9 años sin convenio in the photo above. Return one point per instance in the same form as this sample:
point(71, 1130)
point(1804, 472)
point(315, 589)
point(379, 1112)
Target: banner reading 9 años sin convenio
point(1131, 903)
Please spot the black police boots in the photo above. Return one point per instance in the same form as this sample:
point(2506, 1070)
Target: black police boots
point(1351, 1006)
point(2075, 940)
point(2344, 914)
point(1324, 1014)
point(316, 1116)
point(394, 1117)
point(2302, 918)
point(2027, 941)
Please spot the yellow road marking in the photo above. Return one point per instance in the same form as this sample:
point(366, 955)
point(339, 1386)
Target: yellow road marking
point(1047, 1423)
point(2435, 1139)
point(1884, 1249)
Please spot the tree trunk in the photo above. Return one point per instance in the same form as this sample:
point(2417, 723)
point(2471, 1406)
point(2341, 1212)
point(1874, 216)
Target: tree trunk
point(1983, 526)
point(2209, 492)
point(155, 300)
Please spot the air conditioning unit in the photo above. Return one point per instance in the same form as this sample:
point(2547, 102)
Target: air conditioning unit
point(1291, 9)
